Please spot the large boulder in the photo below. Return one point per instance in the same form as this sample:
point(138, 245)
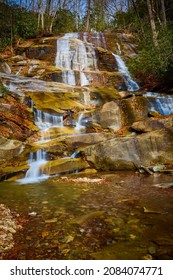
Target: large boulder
point(134, 109)
point(64, 165)
point(109, 116)
point(130, 153)
point(152, 124)
point(69, 143)
point(9, 149)
point(147, 125)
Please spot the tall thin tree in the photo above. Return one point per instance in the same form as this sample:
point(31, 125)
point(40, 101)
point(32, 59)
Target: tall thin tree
point(152, 22)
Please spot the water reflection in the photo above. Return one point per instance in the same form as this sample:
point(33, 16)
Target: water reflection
point(123, 216)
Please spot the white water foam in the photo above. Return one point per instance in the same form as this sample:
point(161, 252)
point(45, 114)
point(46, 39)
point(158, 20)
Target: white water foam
point(160, 103)
point(75, 55)
point(131, 85)
point(44, 121)
point(79, 125)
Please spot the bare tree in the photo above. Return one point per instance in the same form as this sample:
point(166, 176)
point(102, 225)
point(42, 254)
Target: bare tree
point(163, 12)
point(88, 15)
point(152, 22)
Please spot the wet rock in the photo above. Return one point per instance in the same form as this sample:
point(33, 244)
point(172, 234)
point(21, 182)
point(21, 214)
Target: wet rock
point(85, 218)
point(12, 170)
point(157, 168)
point(120, 251)
point(152, 250)
point(164, 185)
point(106, 61)
point(131, 152)
point(69, 143)
point(64, 165)
point(59, 103)
point(32, 214)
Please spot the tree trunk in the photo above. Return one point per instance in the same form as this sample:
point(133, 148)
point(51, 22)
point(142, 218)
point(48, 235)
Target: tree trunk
point(42, 20)
point(88, 16)
point(152, 22)
point(48, 5)
point(163, 12)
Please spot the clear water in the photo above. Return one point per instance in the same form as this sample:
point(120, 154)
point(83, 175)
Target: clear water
point(124, 217)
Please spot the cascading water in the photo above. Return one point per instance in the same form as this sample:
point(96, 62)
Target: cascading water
point(131, 85)
point(79, 125)
point(34, 173)
point(160, 103)
point(39, 158)
point(45, 120)
point(75, 55)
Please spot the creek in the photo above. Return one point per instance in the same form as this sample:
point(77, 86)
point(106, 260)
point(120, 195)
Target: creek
point(122, 216)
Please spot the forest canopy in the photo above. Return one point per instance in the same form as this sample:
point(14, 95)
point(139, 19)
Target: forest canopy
point(150, 21)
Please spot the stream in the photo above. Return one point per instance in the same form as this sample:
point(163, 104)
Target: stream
point(118, 216)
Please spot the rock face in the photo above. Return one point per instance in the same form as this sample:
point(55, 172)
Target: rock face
point(16, 119)
point(73, 93)
point(4, 67)
point(9, 149)
point(109, 116)
point(147, 125)
point(129, 153)
point(64, 165)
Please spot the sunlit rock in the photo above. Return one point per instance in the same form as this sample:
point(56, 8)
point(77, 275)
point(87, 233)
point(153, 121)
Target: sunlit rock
point(10, 149)
point(64, 165)
point(109, 116)
point(131, 152)
point(4, 67)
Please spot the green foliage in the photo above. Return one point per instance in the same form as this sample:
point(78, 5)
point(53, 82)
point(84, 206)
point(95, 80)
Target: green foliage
point(15, 22)
point(4, 42)
point(3, 90)
point(152, 62)
point(26, 24)
point(65, 22)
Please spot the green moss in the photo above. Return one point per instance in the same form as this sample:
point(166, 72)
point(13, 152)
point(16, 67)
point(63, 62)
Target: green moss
point(3, 90)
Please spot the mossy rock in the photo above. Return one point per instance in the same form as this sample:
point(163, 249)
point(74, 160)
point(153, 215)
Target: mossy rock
point(57, 102)
point(62, 166)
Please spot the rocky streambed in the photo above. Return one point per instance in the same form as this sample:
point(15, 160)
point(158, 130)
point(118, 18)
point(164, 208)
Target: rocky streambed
point(122, 215)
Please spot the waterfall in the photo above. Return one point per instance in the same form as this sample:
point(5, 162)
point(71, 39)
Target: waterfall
point(39, 158)
point(75, 55)
point(34, 174)
point(131, 85)
point(79, 124)
point(160, 103)
point(74, 154)
point(45, 120)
